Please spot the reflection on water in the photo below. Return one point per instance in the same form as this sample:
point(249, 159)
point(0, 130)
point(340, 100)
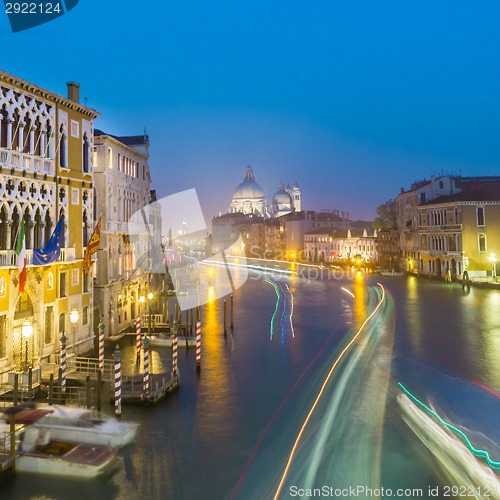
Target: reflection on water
point(196, 444)
point(413, 309)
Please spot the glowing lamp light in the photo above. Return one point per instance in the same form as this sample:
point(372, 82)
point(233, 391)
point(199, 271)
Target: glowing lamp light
point(142, 299)
point(493, 258)
point(150, 295)
point(27, 330)
point(73, 316)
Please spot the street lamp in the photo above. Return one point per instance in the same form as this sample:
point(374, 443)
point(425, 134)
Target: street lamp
point(73, 318)
point(27, 331)
point(142, 299)
point(493, 259)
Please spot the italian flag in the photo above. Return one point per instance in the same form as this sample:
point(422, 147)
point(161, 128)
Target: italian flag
point(21, 256)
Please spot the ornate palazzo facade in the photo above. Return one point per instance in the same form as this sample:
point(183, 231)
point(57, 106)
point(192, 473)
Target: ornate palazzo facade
point(45, 173)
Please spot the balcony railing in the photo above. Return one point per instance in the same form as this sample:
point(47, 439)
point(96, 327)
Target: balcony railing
point(25, 161)
point(8, 258)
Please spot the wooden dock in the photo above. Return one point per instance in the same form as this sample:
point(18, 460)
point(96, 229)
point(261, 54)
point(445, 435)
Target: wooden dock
point(160, 385)
point(7, 466)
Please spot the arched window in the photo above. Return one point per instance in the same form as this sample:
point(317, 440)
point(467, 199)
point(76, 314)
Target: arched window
point(49, 325)
point(62, 323)
point(481, 239)
point(63, 153)
point(14, 227)
point(86, 153)
point(480, 216)
point(3, 125)
point(85, 233)
point(37, 240)
point(4, 226)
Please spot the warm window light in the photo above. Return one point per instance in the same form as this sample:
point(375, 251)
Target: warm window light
point(73, 316)
point(27, 329)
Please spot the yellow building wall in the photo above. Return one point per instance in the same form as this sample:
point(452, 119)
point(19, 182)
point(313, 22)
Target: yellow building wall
point(478, 261)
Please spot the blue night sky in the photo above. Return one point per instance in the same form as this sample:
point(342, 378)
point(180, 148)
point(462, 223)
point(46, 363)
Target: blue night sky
point(351, 99)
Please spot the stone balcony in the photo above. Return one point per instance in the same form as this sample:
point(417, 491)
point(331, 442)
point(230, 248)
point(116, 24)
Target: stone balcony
point(24, 161)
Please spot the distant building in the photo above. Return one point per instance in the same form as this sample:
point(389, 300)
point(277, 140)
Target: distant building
point(249, 197)
point(296, 225)
point(341, 245)
point(388, 249)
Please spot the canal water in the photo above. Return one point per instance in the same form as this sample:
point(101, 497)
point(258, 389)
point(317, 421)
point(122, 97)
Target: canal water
point(229, 431)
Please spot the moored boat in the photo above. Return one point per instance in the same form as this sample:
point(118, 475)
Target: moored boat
point(76, 424)
point(166, 341)
point(41, 454)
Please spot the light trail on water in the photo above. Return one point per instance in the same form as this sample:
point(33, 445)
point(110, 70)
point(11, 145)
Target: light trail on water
point(276, 308)
point(495, 465)
point(276, 413)
point(491, 391)
point(322, 390)
point(291, 310)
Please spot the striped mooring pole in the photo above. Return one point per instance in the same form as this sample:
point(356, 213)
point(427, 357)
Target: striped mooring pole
point(138, 336)
point(198, 345)
point(174, 349)
point(145, 377)
point(63, 363)
point(118, 382)
point(101, 345)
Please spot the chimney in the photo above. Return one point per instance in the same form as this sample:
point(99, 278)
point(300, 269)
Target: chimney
point(73, 91)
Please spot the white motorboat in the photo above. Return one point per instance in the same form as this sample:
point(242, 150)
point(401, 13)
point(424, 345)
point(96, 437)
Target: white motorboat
point(461, 463)
point(40, 453)
point(76, 424)
point(391, 274)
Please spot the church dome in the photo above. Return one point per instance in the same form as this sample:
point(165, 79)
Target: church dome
point(248, 189)
point(282, 198)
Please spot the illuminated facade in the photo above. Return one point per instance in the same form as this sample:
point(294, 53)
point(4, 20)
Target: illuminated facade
point(122, 179)
point(45, 172)
point(460, 233)
point(340, 245)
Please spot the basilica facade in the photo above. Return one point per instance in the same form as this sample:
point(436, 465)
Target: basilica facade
point(249, 198)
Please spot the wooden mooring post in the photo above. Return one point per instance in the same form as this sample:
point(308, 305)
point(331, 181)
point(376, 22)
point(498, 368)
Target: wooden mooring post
point(231, 307)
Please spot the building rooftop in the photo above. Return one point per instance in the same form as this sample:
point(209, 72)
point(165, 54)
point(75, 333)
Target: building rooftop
point(128, 140)
point(474, 191)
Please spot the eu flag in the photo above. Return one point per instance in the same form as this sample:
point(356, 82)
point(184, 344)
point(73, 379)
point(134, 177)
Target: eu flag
point(52, 249)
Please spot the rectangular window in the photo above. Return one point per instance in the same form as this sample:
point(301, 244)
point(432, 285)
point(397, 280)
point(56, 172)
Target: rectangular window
point(75, 277)
point(75, 196)
point(110, 158)
point(119, 162)
point(85, 316)
point(49, 325)
point(62, 285)
point(85, 282)
point(94, 156)
point(75, 129)
point(422, 198)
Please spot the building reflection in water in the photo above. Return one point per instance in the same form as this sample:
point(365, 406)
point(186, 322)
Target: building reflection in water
point(414, 314)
